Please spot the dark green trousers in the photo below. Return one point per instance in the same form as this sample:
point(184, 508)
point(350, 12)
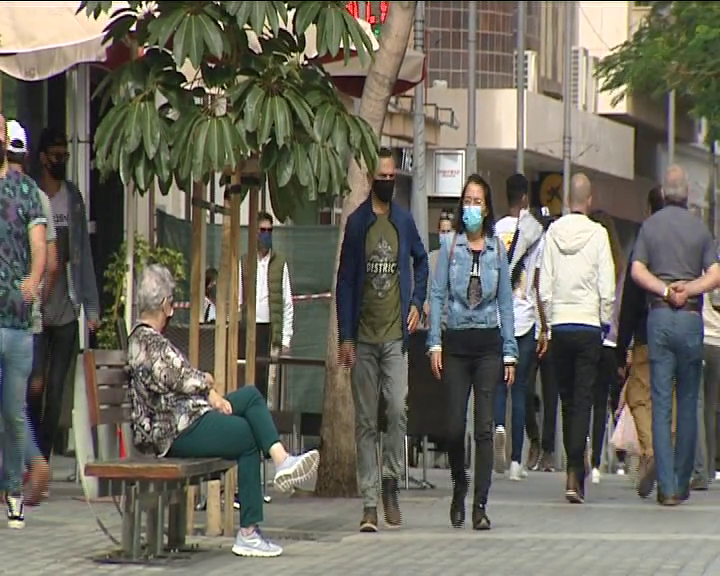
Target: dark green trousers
point(244, 436)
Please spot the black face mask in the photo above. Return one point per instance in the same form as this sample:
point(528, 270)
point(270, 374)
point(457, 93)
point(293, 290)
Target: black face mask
point(58, 170)
point(383, 189)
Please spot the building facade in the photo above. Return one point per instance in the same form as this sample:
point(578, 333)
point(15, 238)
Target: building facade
point(622, 147)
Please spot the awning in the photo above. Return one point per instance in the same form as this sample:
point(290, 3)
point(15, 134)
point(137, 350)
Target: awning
point(41, 39)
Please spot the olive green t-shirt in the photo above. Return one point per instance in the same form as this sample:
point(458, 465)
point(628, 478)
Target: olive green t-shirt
point(380, 317)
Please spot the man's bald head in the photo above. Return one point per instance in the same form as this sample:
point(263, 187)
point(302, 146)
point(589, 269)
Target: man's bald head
point(580, 193)
point(675, 186)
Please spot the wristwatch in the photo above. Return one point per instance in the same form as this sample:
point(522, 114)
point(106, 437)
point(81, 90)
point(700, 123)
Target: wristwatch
point(666, 293)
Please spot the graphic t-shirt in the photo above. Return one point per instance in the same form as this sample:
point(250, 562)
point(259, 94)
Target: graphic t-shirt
point(380, 316)
point(59, 309)
point(20, 211)
point(524, 291)
point(474, 289)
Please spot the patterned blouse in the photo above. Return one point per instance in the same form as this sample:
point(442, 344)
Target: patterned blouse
point(166, 392)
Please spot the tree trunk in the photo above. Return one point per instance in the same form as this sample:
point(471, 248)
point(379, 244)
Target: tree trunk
point(337, 473)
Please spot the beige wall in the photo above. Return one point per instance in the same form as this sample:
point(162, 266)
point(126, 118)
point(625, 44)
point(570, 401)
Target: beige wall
point(598, 143)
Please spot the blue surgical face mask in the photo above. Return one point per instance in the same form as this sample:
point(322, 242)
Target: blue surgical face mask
point(473, 218)
point(265, 239)
point(444, 236)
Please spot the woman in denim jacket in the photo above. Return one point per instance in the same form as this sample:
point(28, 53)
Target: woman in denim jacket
point(479, 340)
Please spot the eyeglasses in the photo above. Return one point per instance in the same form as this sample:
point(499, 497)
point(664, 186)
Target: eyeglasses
point(265, 228)
point(473, 202)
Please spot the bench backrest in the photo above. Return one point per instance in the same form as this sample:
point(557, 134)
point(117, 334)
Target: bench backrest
point(107, 384)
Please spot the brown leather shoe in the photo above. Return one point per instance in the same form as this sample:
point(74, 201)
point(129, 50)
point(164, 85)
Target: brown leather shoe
point(391, 505)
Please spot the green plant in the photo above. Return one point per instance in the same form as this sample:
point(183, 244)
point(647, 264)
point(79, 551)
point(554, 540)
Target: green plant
point(115, 282)
point(238, 85)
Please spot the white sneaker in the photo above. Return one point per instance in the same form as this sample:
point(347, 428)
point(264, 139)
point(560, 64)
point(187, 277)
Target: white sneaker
point(595, 476)
point(500, 464)
point(295, 470)
point(517, 472)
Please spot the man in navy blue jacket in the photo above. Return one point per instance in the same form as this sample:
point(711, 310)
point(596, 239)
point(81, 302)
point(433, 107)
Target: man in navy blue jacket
point(379, 299)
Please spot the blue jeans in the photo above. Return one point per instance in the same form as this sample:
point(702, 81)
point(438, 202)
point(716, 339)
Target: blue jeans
point(518, 391)
point(675, 346)
point(16, 351)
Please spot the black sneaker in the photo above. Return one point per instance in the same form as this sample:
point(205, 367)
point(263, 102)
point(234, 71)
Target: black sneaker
point(391, 504)
point(369, 522)
point(480, 520)
point(15, 511)
point(574, 493)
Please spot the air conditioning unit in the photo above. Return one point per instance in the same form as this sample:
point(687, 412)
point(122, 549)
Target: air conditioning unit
point(578, 78)
point(592, 85)
point(531, 83)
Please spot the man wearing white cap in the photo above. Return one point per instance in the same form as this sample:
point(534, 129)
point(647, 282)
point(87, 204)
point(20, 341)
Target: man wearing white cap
point(17, 152)
point(22, 261)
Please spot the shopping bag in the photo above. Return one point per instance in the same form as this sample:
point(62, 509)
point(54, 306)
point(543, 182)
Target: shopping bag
point(625, 434)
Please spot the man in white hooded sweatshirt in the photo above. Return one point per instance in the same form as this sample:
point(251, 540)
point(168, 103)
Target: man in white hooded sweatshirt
point(577, 292)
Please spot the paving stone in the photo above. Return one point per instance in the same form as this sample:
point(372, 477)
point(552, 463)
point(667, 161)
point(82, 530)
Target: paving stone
point(534, 533)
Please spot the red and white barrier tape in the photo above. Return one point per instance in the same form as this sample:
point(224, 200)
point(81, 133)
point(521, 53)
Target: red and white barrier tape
point(296, 298)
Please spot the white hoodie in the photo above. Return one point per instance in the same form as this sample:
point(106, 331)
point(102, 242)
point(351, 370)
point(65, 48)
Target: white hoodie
point(577, 276)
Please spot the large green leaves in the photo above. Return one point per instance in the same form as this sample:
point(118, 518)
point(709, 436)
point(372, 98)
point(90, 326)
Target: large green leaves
point(201, 101)
point(674, 49)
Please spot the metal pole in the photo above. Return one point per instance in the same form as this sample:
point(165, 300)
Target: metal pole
point(520, 82)
point(671, 128)
point(567, 107)
point(362, 10)
point(471, 149)
point(419, 205)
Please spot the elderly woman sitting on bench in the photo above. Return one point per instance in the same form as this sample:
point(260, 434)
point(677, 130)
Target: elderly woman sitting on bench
point(176, 412)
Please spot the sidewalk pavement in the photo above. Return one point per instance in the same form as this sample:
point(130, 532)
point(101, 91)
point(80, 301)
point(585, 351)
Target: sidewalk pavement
point(535, 533)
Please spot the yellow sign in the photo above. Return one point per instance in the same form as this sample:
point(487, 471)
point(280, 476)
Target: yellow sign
point(551, 193)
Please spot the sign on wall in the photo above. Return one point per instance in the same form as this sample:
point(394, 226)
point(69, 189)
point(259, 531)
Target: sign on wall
point(449, 172)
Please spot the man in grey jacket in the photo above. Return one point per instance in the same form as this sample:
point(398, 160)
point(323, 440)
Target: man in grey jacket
point(75, 286)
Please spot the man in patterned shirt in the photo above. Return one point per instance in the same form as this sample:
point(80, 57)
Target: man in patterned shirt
point(22, 264)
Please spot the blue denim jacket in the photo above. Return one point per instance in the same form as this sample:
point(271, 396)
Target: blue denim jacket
point(450, 282)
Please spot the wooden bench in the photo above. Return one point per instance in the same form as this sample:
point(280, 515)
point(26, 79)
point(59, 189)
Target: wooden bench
point(147, 484)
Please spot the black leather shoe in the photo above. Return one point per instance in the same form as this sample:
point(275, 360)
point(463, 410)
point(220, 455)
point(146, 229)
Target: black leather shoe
point(480, 520)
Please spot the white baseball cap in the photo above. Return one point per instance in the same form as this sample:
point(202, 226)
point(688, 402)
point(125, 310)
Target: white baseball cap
point(17, 138)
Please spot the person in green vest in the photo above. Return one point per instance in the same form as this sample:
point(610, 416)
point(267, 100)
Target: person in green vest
point(274, 310)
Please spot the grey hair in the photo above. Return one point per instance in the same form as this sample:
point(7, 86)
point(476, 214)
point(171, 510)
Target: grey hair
point(675, 186)
point(156, 285)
